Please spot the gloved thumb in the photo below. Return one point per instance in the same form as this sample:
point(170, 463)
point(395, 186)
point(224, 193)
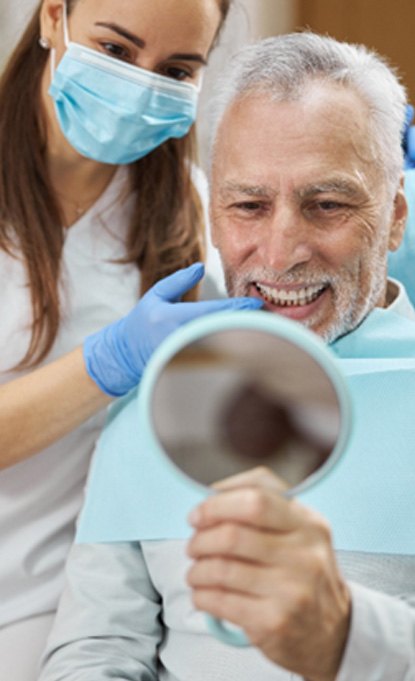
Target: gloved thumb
point(173, 287)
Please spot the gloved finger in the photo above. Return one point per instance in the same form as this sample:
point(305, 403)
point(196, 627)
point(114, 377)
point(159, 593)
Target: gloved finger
point(174, 286)
point(409, 114)
point(189, 311)
point(411, 144)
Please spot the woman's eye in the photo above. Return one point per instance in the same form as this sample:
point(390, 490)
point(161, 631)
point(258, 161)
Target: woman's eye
point(117, 51)
point(177, 73)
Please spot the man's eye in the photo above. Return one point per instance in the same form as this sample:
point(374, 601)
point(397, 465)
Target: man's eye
point(249, 206)
point(330, 206)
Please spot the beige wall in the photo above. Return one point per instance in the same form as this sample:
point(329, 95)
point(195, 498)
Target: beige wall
point(14, 15)
point(384, 25)
point(271, 16)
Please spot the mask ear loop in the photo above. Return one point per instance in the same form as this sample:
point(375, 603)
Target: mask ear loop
point(66, 39)
point(52, 63)
point(199, 83)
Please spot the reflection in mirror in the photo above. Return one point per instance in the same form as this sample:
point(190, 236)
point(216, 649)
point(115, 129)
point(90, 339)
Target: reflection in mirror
point(239, 398)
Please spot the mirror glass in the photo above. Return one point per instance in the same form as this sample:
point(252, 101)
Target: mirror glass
point(238, 398)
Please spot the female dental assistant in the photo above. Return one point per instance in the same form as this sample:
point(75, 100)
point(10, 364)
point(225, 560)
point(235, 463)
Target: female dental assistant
point(96, 205)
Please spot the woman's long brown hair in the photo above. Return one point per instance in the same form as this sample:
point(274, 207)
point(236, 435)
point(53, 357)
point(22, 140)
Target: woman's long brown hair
point(166, 231)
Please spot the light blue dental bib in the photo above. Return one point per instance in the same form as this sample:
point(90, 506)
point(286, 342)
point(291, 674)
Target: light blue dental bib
point(368, 497)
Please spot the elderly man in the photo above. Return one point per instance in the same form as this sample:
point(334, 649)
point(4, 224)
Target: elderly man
point(307, 201)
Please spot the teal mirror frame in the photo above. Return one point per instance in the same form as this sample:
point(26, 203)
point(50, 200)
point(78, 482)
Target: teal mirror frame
point(247, 320)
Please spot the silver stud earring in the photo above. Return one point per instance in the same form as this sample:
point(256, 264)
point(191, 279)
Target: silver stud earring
point(44, 43)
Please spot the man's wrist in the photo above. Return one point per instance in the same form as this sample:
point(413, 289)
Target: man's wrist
point(337, 642)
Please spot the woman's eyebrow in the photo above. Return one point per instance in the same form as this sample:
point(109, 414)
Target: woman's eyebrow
point(141, 43)
point(189, 57)
point(122, 32)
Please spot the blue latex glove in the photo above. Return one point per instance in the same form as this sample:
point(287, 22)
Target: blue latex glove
point(115, 356)
point(408, 140)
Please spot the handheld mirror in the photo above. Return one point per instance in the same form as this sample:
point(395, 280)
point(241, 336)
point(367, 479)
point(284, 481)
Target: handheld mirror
point(233, 391)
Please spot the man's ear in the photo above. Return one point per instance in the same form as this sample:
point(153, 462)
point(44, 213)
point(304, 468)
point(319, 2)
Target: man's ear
point(399, 216)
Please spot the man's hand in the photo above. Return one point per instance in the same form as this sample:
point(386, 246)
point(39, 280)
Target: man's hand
point(266, 564)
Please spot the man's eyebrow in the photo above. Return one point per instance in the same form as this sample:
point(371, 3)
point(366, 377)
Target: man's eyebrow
point(338, 186)
point(248, 189)
point(124, 33)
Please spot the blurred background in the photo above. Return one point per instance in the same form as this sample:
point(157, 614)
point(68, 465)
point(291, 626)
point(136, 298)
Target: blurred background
point(386, 25)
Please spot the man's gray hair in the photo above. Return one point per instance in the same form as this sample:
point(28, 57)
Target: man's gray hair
point(281, 68)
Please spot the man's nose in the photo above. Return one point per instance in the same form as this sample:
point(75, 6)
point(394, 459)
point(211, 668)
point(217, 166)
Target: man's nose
point(287, 241)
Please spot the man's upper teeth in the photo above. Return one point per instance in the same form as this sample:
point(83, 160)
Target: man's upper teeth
point(302, 296)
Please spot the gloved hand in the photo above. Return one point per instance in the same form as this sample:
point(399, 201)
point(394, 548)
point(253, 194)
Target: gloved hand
point(408, 140)
point(115, 356)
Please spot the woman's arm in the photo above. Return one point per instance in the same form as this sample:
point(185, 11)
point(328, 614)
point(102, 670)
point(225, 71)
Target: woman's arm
point(40, 408)
point(43, 406)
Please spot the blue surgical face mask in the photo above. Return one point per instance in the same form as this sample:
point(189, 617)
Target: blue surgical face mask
point(114, 112)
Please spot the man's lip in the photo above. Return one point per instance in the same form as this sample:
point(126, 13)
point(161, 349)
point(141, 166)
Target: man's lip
point(296, 312)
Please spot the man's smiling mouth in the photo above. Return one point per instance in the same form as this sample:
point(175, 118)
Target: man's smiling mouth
point(290, 297)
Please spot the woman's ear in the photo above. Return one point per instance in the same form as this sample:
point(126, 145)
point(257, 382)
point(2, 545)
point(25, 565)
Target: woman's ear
point(51, 22)
point(399, 216)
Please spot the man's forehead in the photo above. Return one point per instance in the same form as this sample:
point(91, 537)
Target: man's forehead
point(329, 117)
point(265, 146)
point(316, 96)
